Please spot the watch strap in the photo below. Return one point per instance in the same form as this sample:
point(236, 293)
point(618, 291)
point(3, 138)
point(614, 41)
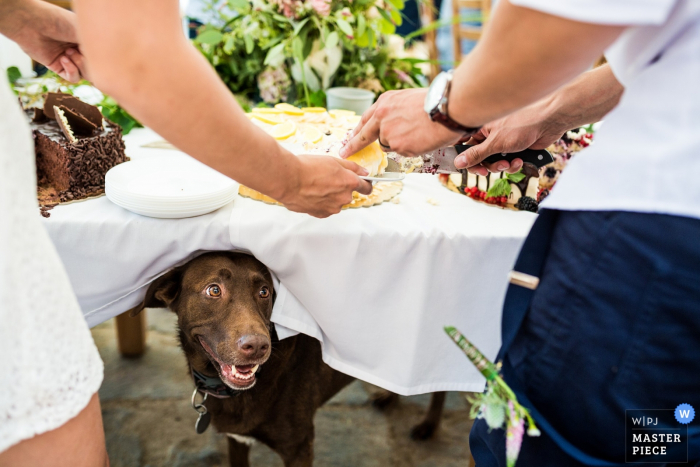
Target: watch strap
point(442, 118)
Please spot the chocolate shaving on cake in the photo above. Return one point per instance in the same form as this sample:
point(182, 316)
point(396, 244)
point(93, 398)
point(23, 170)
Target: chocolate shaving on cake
point(530, 170)
point(50, 101)
point(89, 113)
point(39, 115)
point(63, 124)
point(78, 123)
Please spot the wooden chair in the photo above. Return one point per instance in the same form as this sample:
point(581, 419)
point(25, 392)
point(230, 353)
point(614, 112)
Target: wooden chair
point(428, 16)
point(468, 32)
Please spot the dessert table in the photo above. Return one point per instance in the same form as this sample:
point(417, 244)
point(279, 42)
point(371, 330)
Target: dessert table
point(374, 285)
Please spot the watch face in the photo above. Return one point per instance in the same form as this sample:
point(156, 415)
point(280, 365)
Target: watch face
point(435, 92)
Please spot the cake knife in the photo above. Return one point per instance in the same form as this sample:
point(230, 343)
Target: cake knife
point(442, 161)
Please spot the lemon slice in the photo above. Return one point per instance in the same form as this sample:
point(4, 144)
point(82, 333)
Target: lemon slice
point(314, 110)
point(289, 109)
point(371, 158)
point(265, 110)
point(311, 135)
point(283, 130)
point(337, 113)
point(353, 119)
point(268, 118)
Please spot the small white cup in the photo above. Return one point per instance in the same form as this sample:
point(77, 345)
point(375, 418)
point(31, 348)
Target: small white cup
point(355, 99)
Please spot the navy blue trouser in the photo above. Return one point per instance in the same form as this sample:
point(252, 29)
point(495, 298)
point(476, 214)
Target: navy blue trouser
point(613, 325)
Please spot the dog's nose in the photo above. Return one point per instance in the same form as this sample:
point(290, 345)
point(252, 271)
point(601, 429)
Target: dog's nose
point(253, 345)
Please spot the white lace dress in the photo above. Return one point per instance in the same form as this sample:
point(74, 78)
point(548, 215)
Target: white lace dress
point(49, 365)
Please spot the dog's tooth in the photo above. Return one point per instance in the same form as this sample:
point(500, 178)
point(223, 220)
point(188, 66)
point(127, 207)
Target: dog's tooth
point(254, 369)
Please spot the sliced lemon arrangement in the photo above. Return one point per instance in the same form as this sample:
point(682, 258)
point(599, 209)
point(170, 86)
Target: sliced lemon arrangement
point(289, 109)
point(272, 119)
point(311, 135)
point(315, 130)
point(339, 113)
point(283, 130)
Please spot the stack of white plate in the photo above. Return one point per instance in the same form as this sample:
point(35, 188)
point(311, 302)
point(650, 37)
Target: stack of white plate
point(168, 187)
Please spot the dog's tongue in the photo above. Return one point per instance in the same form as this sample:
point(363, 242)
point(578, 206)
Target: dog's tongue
point(244, 368)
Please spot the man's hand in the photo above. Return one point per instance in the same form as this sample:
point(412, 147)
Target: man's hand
point(397, 120)
point(46, 33)
point(527, 128)
point(325, 185)
point(585, 100)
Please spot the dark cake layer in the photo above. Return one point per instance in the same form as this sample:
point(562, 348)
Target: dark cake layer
point(75, 170)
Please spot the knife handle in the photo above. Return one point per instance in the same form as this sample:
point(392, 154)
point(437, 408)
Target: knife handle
point(537, 157)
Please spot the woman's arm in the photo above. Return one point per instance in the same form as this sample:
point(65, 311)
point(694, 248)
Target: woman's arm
point(585, 100)
point(138, 54)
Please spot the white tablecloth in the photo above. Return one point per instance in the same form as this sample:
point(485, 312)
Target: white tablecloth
point(374, 285)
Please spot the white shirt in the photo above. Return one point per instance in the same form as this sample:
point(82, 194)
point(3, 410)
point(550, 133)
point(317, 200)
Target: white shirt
point(646, 156)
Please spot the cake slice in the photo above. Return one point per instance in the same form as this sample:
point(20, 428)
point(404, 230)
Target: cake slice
point(75, 147)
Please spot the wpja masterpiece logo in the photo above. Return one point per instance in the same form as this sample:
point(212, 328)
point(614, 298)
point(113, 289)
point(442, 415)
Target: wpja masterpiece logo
point(657, 435)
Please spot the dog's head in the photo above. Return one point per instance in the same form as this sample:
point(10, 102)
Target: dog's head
point(223, 302)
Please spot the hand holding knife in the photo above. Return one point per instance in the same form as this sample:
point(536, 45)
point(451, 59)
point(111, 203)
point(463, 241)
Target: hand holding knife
point(443, 159)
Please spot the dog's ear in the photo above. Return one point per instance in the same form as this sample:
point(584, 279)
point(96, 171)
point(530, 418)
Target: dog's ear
point(161, 293)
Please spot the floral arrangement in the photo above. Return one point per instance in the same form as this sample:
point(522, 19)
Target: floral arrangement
point(497, 405)
point(293, 50)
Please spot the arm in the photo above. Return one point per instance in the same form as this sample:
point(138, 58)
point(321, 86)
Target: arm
point(585, 100)
point(45, 32)
point(138, 54)
point(523, 56)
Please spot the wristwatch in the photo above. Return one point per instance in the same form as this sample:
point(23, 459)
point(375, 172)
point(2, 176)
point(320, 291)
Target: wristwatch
point(436, 104)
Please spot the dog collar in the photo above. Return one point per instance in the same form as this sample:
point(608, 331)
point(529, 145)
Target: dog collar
point(213, 385)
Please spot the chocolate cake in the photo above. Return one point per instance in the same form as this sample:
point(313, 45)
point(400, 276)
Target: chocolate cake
point(75, 147)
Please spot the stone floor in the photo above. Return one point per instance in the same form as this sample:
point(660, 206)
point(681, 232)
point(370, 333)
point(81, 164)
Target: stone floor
point(149, 422)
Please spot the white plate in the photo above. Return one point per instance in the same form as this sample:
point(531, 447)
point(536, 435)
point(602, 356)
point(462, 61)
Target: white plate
point(169, 187)
point(172, 214)
point(156, 204)
point(173, 177)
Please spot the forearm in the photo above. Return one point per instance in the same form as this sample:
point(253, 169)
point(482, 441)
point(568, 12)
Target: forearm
point(585, 100)
point(21, 17)
point(160, 78)
point(522, 57)
point(14, 14)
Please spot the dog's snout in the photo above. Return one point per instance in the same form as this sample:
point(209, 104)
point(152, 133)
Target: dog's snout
point(253, 345)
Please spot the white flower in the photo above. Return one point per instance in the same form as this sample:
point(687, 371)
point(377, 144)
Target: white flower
point(325, 62)
point(396, 46)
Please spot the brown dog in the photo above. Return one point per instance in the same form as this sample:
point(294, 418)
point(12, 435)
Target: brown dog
point(258, 387)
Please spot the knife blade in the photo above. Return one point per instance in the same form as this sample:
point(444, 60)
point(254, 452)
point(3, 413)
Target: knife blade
point(443, 159)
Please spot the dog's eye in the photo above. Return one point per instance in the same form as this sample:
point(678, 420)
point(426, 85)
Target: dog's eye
point(214, 291)
point(264, 292)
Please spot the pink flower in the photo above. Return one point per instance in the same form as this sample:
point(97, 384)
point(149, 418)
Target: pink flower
point(514, 435)
point(322, 7)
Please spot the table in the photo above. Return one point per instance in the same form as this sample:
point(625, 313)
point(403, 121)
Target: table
point(374, 285)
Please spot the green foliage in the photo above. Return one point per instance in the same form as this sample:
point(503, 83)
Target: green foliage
point(260, 35)
point(13, 74)
point(111, 110)
point(500, 188)
point(502, 185)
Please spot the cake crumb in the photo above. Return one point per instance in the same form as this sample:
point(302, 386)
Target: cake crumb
point(396, 200)
point(432, 201)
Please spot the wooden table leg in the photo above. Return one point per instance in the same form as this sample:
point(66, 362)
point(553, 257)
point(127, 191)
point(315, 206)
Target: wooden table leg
point(131, 334)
